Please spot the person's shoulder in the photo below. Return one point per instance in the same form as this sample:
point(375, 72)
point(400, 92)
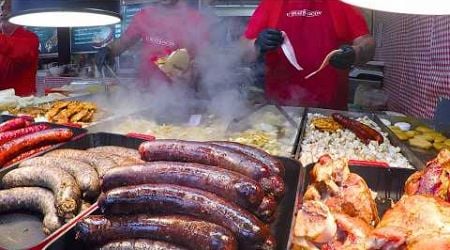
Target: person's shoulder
point(21, 31)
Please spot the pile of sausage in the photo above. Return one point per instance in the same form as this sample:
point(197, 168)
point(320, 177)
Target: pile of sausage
point(61, 183)
point(20, 138)
point(362, 131)
point(189, 195)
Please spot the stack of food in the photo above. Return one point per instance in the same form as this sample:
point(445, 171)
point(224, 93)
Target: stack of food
point(61, 183)
point(62, 112)
point(339, 211)
point(355, 139)
point(20, 138)
point(421, 136)
point(194, 195)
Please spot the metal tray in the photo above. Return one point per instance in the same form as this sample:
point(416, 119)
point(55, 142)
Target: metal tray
point(296, 113)
point(421, 154)
point(410, 156)
point(24, 230)
point(387, 182)
point(280, 227)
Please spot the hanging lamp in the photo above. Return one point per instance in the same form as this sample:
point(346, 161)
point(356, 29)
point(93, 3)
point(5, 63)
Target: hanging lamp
point(65, 13)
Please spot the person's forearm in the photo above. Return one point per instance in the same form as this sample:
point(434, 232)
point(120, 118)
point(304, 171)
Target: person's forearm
point(364, 48)
point(120, 45)
point(249, 51)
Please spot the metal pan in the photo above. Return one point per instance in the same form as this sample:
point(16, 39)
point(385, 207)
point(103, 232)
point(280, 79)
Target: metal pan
point(387, 182)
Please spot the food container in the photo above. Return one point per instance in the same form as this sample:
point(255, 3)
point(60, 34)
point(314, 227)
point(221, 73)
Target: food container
point(280, 227)
point(265, 128)
point(422, 155)
point(405, 151)
point(388, 183)
point(20, 230)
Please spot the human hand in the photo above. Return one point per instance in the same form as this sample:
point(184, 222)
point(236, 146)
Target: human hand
point(269, 39)
point(343, 59)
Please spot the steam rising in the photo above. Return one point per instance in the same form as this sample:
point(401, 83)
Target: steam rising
point(219, 89)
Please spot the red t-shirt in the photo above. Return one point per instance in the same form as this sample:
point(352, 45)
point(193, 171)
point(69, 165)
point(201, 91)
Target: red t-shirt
point(314, 27)
point(19, 61)
point(162, 31)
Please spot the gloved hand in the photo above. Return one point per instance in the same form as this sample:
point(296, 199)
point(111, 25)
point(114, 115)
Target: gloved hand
point(104, 57)
point(269, 39)
point(344, 59)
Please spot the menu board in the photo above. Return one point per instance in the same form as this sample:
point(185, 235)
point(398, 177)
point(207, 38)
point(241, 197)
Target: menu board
point(128, 12)
point(48, 39)
point(89, 39)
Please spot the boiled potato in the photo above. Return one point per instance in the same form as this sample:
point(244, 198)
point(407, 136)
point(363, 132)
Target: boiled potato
point(401, 135)
point(420, 143)
point(438, 145)
point(424, 137)
point(411, 133)
point(447, 142)
point(394, 128)
point(440, 138)
point(423, 129)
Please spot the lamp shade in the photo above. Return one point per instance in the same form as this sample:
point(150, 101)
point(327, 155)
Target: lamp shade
point(418, 7)
point(65, 13)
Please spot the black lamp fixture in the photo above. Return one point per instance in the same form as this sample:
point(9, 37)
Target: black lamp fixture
point(65, 13)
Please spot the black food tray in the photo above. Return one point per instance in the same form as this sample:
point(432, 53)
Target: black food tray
point(280, 227)
point(406, 151)
point(24, 230)
point(388, 183)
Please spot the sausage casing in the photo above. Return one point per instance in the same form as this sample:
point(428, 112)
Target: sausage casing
point(122, 151)
point(66, 190)
point(231, 186)
point(140, 244)
point(13, 124)
point(184, 231)
point(32, 198)
point(101, 163)
point(9, 135)
point(85, 174)
point(173, 199)
point(13, 148)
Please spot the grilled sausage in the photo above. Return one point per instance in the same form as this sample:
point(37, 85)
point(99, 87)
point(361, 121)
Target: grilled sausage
point(172, 199)
point(31, 198)
point(208, 154)
point(12, 134)
point(13, 148)
point(362, 131)
point(275, 166)
point(184, 231)
point(140, 244)
point(231, 186)
point(28, 154)
point(85, 175)
point(13, 124)
point(122, 151)
point(101, 163)
point(66, 191)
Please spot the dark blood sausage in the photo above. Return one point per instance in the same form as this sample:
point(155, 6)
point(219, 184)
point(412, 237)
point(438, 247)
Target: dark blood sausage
point(28, 154)
point(267, 208)
point(208, 154)
point(276, 167)
point(140, 244)
point(184, 231)
point(66, 191)
point(13, 148)
point(35, 199)
point(101, 163)
point(362, 131)
point(85, 174)
point(9, 135)
point(231, 186)
point(122, 151)
point(14, 124)
point(173, 199)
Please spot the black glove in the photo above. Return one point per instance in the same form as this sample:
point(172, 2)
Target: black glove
point(104, 57)
point(343, 59)
point(269, 39)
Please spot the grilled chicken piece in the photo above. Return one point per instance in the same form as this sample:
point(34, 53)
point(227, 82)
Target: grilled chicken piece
point(433, 180)
point(56, 108)
point(342, 191)
point(317, 227)
point(415, 222)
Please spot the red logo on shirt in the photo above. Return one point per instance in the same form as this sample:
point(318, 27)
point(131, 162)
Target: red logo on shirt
point(304, 13)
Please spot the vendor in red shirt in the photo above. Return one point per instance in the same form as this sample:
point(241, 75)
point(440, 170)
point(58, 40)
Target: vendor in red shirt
point(18, 55)
point(315, 28)
point(162, 28)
